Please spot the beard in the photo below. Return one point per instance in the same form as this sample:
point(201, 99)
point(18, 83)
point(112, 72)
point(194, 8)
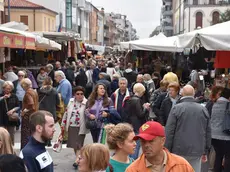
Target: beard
point(45, 137)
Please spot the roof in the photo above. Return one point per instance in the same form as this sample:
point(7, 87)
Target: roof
point(26, 5)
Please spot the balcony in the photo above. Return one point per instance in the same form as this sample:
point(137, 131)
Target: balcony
point(168, 28)
point(167, 20)
point(167, 13)
point(106, 34)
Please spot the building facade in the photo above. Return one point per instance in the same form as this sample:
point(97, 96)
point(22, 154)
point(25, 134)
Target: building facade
point(192, 14)
point(37, 17)
point(167, 17)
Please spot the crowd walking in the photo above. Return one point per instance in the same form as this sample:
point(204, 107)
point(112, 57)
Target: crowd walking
point(125, 110)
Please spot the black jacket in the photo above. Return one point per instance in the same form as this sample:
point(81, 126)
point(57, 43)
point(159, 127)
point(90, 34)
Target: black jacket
point(69, 73)
point(81, 78)
point(136, 114)
point(49, 100)
point(157, 104)
point(131, 76)
point(12, 102)
point(165, 110)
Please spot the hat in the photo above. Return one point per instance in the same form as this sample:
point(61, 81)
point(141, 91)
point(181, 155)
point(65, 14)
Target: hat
point(150, 130)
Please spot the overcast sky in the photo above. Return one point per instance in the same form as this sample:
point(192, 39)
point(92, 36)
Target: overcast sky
point(143, 14)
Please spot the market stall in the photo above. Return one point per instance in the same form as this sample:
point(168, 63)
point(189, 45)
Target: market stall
point(216, 37)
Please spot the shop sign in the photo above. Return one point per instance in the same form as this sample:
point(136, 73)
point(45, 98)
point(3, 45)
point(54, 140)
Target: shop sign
point(30, 43)
point(11, 40)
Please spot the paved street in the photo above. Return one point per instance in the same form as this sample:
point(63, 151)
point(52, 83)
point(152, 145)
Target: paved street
point(62, 161)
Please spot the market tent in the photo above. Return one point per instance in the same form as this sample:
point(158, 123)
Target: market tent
point(29, 37)
point(216, 37)
point(158, 43)
point(126, 45)
point(16, 25)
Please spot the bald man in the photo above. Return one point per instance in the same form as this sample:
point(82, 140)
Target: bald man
point(188, 131)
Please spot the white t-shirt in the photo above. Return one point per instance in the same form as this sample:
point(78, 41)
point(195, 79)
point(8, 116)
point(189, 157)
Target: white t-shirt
point(10, 76)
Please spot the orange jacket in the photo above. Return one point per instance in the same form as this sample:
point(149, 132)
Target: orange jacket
point(174, 164)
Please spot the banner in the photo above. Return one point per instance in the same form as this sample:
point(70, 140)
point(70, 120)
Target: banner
point(12, 40)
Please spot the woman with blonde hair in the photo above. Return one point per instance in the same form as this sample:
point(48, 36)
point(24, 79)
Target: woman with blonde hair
point(29, 105)
point(6, 146)
point(137, 111)
point(120, 139)
point(93, 158)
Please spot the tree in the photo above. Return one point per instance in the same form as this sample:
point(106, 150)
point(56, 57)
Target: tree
point(225, 16)
point(156, 31)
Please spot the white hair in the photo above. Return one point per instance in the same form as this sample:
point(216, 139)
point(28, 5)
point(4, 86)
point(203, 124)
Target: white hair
point(60, 73)
point(8, 83)
point(50, 66)
point(138, 89)
point(123, 79)
point(21, 73)
point(26, 83)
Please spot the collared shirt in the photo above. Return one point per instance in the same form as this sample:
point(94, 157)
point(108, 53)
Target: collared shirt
point(20, 93)
point(157, 168)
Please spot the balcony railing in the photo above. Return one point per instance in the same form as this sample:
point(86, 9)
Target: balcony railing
point(168, 13)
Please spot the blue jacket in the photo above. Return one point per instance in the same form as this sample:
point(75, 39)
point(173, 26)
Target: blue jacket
point(36, 158)
point(65, 89)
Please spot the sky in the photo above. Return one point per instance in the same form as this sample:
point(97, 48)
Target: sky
point(143, 14)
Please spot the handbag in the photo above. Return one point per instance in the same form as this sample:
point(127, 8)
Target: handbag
point(226, 123)
point(14, 117)
point(57, 146)
point(90, 123)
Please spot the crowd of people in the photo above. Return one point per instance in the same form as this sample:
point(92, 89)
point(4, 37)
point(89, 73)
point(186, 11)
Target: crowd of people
point(123, 109)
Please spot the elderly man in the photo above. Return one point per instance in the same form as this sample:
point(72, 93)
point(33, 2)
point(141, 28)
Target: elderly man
point(64, 87)
point(188, 131)
point(155, 157)
point(50, 71)
point(120, 96)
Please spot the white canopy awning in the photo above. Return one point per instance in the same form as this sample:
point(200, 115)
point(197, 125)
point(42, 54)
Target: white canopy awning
point(165, 44)
point(216, 37)
point(155, 43)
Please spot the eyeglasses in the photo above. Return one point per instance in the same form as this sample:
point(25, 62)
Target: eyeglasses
point(78, 94)
point(20, 75)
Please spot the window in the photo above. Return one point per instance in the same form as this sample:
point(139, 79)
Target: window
point(49, 24)
point(44, 23)
point(215, 17)
point(68, 14)
point(199, 19)
point(195, 2)
point(24, 19)
point(212, 1)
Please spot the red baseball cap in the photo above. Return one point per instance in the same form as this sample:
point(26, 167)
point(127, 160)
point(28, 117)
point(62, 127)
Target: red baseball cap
point(150, 130)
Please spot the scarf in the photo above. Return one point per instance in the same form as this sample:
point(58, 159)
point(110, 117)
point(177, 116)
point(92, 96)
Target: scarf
point(116, 94)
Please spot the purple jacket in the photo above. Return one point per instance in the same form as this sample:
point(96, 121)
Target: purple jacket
point(97, 110)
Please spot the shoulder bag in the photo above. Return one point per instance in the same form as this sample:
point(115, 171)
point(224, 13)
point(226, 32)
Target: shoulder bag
point(14, 117)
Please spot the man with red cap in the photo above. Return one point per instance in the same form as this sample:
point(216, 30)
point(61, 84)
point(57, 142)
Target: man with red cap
point(155, 157)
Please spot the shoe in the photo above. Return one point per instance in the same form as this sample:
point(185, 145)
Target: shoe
point(75, 165)
point(64, 142)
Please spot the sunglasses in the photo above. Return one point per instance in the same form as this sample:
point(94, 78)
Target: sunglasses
point(79, 94)
point(20, 75)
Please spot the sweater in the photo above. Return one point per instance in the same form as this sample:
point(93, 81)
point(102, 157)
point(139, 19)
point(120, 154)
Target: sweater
point(36, 158)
